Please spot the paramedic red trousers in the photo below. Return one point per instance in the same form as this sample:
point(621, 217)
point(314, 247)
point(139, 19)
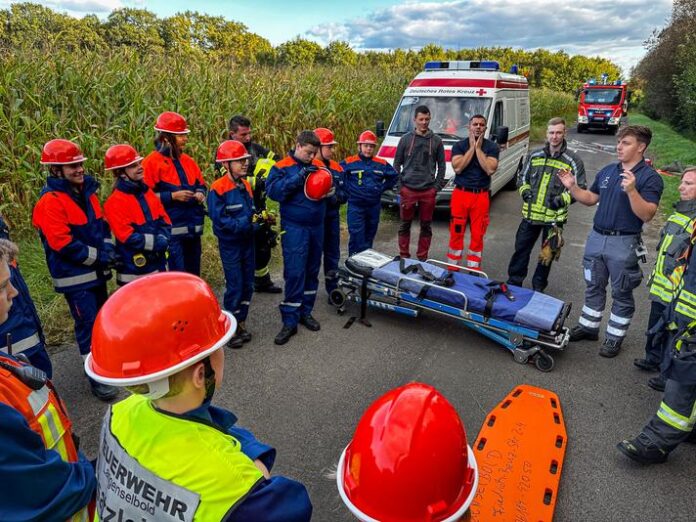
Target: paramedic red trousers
point(468, 206)
point(425, 200)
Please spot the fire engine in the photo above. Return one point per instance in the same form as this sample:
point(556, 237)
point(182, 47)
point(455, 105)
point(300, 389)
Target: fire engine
point(602, 105)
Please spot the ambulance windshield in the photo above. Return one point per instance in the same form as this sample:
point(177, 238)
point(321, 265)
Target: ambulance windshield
point(449, 116)
point(605, 96)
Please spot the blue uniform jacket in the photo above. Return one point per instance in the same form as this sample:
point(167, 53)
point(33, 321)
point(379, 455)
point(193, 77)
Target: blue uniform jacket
point(286, 186)
point(231, 209)
point(366, 179)
point(333, 203)
point(23, 321)
point(275, 499)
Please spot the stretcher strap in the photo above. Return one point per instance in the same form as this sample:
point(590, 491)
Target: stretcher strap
point(447, 280)
point(495, 288)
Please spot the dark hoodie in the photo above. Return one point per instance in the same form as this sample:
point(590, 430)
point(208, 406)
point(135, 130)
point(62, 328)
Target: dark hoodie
point(417, 158)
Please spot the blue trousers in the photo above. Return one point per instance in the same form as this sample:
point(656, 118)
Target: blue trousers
point(302, 251)
point(84, 305)
point(362, 226)
point(332, 249)
point(238, 264)
point(185, 254)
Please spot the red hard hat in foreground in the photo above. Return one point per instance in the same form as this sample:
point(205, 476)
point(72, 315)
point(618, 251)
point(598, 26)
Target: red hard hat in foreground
point(171, 122)
point(61, 152)
point(155, 327)
point(120, 156)
point(326, 137)
point(367, 138)
point(318, 184)
point(231, 150)
point(408, 460)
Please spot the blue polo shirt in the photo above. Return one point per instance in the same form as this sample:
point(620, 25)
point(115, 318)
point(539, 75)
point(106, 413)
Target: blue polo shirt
point(614, 209)
point(473, 176)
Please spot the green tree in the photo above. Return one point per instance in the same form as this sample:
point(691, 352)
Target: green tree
point(136, 28)
point(299, 52)
point(338, 53)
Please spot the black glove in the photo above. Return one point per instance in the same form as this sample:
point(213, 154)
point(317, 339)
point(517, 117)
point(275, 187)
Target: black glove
point(556, 203)
point(527, 196)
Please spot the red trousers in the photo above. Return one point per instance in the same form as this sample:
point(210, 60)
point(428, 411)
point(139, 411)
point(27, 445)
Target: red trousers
point(472, 208)
point(425, 200)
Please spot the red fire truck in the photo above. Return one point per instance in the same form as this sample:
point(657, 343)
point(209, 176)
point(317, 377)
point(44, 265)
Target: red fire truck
point(602, 105)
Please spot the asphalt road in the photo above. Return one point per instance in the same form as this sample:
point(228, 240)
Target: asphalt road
point(306, 397)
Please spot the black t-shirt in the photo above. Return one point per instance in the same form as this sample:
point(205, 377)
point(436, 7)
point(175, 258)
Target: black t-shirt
point(473, 176)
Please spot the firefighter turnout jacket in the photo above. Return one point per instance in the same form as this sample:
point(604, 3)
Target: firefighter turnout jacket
point(545, 198)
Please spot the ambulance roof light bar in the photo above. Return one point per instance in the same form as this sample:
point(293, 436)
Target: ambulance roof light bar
point(462, 66)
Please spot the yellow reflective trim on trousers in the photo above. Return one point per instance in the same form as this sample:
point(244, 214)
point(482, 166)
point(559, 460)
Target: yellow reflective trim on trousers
point(685, 310)
point(261, 272)
point(675, 419)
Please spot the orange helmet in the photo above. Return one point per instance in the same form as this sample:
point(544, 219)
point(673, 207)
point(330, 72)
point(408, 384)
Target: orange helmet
point(120, 156)
point(326, 137)
point(155, 327)
point(171, 122)
point(61, 152)
point(318, 184)
point(231, 150)
point(367, 138)
point(408, 460)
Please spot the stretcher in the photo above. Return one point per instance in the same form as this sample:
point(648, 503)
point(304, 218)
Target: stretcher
point(528, 323)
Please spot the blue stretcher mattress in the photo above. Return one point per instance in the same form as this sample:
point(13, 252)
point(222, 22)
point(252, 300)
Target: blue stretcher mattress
point(529, 308)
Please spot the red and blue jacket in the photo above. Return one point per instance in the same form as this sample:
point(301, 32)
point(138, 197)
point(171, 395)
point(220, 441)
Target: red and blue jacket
point(165, 175)
point(286, 186)
point(333, 203)
point(75, 236)
point(231, 209)
point(23, 323)
point(141, 227)
point(366, 179)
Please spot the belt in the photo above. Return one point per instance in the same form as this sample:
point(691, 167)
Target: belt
point(605, 232)
point(473, 190)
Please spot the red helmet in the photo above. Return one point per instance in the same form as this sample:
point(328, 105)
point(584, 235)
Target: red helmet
point(155, 327)
point(61, 152)
point(120, 156)
point(231, 150)
point(326, 137)
point(408, 460)
point(171, 122)
point(367, 137)
point(318, 184)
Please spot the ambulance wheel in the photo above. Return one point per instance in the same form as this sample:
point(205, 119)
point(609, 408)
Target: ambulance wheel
point(544, 362)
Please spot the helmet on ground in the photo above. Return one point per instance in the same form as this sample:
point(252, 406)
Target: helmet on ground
point(326, 137)
point(367, 138)
point(155, 327)
point(318, 184)
point(120, 156)
point(231, 150)
point(171, 122)
point(61, 152)
point(408, 460)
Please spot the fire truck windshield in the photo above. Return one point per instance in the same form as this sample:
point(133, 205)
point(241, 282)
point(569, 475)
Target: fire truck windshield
point(449, 116)
point(604, 96)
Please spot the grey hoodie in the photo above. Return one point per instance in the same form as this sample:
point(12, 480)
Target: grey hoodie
point(417, 158)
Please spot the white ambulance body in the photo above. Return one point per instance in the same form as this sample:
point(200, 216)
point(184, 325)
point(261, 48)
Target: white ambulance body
point(454, 92)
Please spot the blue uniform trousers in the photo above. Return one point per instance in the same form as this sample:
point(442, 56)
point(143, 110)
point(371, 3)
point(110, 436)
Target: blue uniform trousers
point(362, 226)
point(238, 265)
point(302, 252)
point(185, 254)
point(332, 249)
point(84, 305)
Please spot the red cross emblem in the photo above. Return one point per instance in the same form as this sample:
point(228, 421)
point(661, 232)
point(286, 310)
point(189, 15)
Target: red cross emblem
point(480, 92)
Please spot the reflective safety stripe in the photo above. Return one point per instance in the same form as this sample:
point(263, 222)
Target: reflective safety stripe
point(262, 272)
point(589, 324)
point(452, 252)
point(38, 399)
point(472, 264)
point(310, 292)
point(127, 278)
point(91, 256)
point(149, 241)
point(179, 231)
point(676, 420)
point(687, 297)
point(620, 320)
point(64, 282)
point(685, 309)
point(294, 305)
point(472, 253)
point(23, 344)
point(589, 311)
point(538, 162)
point(247, 303)
point(616, 331)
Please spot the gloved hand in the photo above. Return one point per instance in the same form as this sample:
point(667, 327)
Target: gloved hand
point(556, 203)
point(527, 196)
point(161, 242)
point(106, 257)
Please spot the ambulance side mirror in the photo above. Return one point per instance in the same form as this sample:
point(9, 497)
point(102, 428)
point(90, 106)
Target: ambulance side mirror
point(379, 129)
point(501, 135)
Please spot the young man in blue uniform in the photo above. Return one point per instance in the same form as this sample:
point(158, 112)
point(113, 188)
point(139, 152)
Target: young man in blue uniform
point(366, 178)
point(628, 194)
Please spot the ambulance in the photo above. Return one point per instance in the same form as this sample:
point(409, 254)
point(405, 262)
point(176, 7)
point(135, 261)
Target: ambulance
point(454, 91)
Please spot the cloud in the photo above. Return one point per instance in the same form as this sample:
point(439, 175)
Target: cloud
point(614, 29)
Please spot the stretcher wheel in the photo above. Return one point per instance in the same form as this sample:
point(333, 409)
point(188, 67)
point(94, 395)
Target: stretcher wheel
point(544, 362)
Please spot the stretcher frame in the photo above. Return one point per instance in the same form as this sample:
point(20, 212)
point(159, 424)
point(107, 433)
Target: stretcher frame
point(525, 343)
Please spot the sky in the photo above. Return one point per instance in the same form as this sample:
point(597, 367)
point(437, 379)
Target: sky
point(614, 29)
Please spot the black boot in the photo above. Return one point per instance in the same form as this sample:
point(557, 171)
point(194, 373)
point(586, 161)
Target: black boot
point(646, 365)
point(310, 323)
point(642, 450)
point(243, 332)
point(103, 392)
point(657, 383)
point(236, 342)
point(578, 333)
point(610, 348)
point(265, 285)
point(285, 334)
